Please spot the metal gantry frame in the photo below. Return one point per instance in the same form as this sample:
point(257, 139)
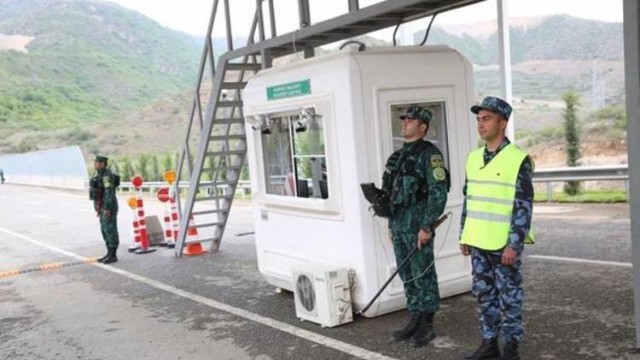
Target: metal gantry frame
point(225, 149)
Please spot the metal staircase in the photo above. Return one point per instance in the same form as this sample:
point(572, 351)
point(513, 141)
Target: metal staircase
point(216, 127)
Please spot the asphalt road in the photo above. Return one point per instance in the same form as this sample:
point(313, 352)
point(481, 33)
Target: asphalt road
point(578, 284)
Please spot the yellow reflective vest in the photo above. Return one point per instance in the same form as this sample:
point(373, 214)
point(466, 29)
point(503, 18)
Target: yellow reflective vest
point(491, 191)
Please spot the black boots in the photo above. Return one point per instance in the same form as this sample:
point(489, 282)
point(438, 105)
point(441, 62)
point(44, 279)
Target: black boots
point(111, 257)
point(510, 351)
point(419, 330)
point(104, 257)
point(407, 331)
point(424, 333)
point(488, 350)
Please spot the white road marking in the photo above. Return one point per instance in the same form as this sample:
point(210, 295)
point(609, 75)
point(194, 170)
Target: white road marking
point(582, 261)
point(290, 329)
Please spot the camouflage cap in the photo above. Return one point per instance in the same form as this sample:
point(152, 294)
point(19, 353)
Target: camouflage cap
point(417, 112)
point(100, 158)
point(495, 105)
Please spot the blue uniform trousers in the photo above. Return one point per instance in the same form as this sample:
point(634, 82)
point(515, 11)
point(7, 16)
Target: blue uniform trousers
point(498, 289)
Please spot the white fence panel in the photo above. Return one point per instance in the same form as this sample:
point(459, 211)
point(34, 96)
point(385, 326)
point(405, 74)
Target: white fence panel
point(63, 168)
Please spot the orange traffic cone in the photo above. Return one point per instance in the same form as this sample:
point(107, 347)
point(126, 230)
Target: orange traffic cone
point(193, 247)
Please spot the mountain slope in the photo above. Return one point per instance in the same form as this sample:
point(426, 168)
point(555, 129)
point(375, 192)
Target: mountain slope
point(87, 61)
point(558, 37)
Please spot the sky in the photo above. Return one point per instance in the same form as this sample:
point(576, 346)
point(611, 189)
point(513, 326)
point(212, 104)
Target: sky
point(192, 16)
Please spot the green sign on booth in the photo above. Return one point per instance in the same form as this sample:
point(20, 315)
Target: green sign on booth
point(293, 89)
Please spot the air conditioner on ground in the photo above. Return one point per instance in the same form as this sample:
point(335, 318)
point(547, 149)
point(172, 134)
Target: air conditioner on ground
point(322, 294)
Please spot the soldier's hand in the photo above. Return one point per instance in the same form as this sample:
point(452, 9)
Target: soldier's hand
point(424, 236)
point(464, 249)
point(509, 256)
point(107, 213)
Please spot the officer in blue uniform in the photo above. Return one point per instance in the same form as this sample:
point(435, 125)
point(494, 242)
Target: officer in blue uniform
point(497, 260)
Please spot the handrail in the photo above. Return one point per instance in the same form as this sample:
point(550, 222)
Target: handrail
point(543, 175)
point(151, 186)
point(582, 173)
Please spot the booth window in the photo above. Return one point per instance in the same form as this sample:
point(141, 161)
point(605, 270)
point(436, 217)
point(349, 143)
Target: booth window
point(437, 133)
point(294, 156)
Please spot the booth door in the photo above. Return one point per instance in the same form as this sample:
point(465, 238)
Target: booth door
point(395, 102)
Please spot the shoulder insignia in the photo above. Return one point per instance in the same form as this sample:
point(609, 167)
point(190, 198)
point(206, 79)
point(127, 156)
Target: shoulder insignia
point(437, 161)
point(106, 181)
point(439, 173)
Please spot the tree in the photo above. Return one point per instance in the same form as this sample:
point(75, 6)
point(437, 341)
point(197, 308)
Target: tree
point(572, 136)
point(115, 167)
point(143, 166)
point(156, 174)
point(127, 169)
point(26, 145)
point(167, 162)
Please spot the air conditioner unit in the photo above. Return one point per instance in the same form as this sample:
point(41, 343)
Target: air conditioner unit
point(322, 294)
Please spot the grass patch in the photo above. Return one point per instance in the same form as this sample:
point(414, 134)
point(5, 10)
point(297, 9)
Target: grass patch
point(586, 196)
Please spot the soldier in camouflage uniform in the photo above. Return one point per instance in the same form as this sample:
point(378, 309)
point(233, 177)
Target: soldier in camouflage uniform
point(494, 234)
point(418, 183)
point(103, 193)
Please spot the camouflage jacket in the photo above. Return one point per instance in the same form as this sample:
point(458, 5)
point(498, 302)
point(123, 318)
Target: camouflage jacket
point(416, 179)
point(105, 191)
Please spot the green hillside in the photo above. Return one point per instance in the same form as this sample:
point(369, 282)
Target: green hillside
point(554, 55)
point(88, 61)
point(111, 80)
point(564, 38)
point(559, 37)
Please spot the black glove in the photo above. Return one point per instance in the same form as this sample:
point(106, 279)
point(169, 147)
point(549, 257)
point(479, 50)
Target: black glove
point(379, 199)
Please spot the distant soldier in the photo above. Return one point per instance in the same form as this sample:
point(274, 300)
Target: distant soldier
point(417, 183)
point(102, 190)
point(496, 223)
point(2, 176)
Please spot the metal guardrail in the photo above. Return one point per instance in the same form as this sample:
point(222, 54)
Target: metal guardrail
point(582, 173)
point(547, 176)
point(152, 186)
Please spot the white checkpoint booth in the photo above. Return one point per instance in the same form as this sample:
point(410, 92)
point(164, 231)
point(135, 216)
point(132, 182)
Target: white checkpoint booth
point(320, 127)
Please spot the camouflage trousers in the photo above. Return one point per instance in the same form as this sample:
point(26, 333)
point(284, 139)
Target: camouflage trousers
point(420, 283)
point(109, 229)
point(498, 289)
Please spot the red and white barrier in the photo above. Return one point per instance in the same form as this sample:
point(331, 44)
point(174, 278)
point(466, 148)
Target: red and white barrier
point(142, 222)
point(136, 225)
point(175, 218)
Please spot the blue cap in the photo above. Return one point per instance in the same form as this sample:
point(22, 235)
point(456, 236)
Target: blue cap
point(495, 105)
point(417, 112)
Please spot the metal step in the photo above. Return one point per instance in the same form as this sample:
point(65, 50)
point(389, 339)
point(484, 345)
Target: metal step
point(244, 66)
point(220, 168)
point(228, 137)
point(217, 223)
point(234, 85)
point(213, 197)
point(213, 239)
point(209, 212)
point(227, 153)
point(225, 182)
point(221, 121)
point(232, 103)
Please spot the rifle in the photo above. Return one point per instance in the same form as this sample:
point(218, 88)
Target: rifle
point(402, 264)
